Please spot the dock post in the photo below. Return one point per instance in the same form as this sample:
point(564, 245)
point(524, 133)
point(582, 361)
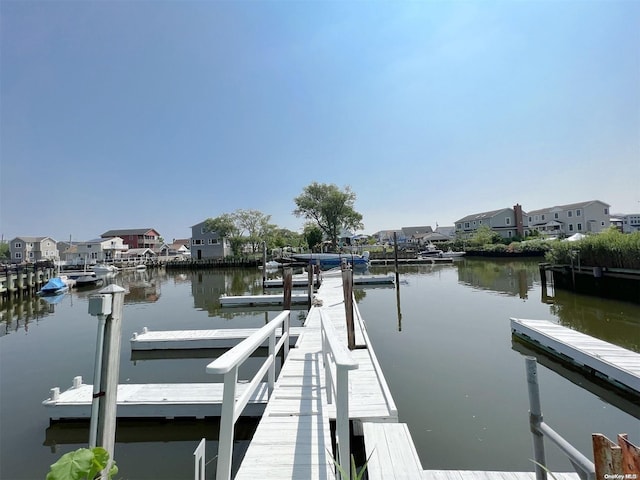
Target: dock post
point(395, 254)
point(535, 417)
point(309, 284)
point(347, 287)
point(287, 280)
point(109, 360)
point(264, 267)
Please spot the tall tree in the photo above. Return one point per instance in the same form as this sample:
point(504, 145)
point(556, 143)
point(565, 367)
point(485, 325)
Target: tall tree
point(256, 224)
point(313, 235)
point(225, 226)
point(331, 208)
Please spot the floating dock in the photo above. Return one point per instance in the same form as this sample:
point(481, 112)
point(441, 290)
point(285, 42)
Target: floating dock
point(606, 360)
point(260, 300)
point(197, 339)
point(152, 400)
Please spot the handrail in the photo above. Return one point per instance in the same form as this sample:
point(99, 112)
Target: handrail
point(334, 351)
point(584, 467)
point(228, 365)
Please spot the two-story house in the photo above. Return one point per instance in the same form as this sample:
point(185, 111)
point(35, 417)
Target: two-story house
point(33, 249)
point(628, 222)
point(507, 222)
point(206, 244)
point(98, 250)
point(584, 217)
point(137, 237)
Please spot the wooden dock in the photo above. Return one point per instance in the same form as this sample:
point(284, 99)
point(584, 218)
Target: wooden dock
point(197, 339)
point(159, 400)
point(293, 440)
point(611, 362)
point(261, 300)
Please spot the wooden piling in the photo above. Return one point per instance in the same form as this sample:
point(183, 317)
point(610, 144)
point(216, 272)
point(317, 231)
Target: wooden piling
point(615, 461)
point(347, 286)
point(287, 285)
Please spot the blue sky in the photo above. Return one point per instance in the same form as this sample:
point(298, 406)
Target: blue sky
point(136, 114)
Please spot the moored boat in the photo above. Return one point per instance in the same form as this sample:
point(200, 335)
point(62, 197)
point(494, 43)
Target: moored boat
point(101, 268)
point(54, 286)
point(331, 260)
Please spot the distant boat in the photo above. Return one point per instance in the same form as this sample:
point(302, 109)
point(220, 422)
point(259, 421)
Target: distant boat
point(101, 268)
point(330, 260)
point(54, 286)
point(430, 251)
point(141, 267)
point(88, 281)
point(452, 254)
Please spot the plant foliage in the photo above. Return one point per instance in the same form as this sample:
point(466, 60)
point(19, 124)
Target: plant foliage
point(329, 207)
point(610, 248)
point(81, 464)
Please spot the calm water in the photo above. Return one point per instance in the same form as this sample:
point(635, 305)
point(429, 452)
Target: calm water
point(445, 348)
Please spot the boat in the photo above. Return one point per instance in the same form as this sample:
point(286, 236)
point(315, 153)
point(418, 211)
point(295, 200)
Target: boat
point(141, 267)
point(452, 254)
point(330, 260)
point(101, 268)
point(54, 286)
point(88, 281)
point(430, 251)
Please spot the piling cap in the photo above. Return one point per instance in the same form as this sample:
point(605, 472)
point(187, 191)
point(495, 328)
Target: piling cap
point(112, 288)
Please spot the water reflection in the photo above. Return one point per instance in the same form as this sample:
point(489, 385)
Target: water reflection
point(16, 315)
point(514, 278)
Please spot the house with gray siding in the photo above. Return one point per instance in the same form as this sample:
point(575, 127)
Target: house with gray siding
point(205, 244)
point(507, 222)
point(33, 249)
point(565, 220)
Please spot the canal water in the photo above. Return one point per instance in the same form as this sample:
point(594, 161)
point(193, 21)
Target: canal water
point(443, 341)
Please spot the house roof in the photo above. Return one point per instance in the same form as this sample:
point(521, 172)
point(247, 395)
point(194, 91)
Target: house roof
point(130, 231)
point(408, 231)
point(31, 239)
point(182, 241)
point(570, 206)
point(482, 215)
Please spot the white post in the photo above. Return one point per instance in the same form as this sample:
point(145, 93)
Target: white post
point(110, 372)
point(342, 420)
point(227, 415)
point(272, 357)
point(535, 417)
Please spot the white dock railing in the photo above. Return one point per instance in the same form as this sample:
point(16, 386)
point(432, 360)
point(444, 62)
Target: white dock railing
point(335, 355)
point(582, 465)
point(228, 365)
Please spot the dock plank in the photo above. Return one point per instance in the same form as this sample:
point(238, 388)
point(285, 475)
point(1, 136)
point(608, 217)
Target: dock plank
point(155, 400)
point(615, 363)
point(198, 339)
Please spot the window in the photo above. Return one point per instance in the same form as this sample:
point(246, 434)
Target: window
point(602, 224)
point(202, 231)
point(474, 223)
point(197, 241)
point(214, 241)
point(466, 224)
point(480, 222)
point(579, 226)
point(30, 254)
point(606, 212)
point(570, 213)
point(17, 245)
point(507, 221)
point(18, 255)
point(459, 226)
point(542, 217)
point(578, 213)
point(89, 246)
point(530, 220)
point(509, 233)
point(537, 217)
point(571, 227)
point(555, 215)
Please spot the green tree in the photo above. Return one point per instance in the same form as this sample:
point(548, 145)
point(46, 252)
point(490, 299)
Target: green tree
point(4, 251)
point(484, 236)
point(329, 207)
point(313, 235)
point(225, 226)
point(255, 224)
point(282, 237)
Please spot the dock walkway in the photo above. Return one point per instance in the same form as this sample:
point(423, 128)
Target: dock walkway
point(293, 439)
point(610, 362)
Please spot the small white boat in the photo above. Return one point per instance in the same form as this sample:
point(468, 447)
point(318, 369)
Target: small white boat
point(452, 254)
point(430, 251)
point(101, 268)
point(141, 267)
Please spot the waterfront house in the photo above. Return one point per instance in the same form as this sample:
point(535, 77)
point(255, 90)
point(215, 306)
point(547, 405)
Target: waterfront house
point(33, 249)
point(386, 236)
point(565, 220)
point(507, 222)
point(207, 244)
point(628, 223)
point(97, 251)
point(137, 237)
point(175, 249)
